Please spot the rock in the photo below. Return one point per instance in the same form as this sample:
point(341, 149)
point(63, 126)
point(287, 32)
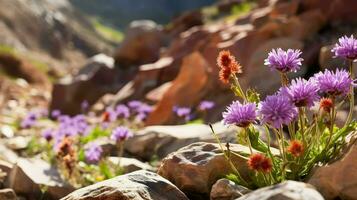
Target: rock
point(338, 180)
point(18, 142)
point(184, 22)
point(141, 45)
point(29, 176)
point(285, 9)
point(187, 89)
point(7, 194)
point(156, 94)
point(18, 67)
point(196, 167)
point(5, 167)
point(8, 155)
point(130, 164)
point(225, 189)
point(327, 60)
point(162, 140)
point(98, 74)
point(139, 185)
point(288, 190)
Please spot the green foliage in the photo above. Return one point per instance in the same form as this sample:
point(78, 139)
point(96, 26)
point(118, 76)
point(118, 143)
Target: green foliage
point(7, 49)
point(96, 133)
point(107, 32)
point(196, 121)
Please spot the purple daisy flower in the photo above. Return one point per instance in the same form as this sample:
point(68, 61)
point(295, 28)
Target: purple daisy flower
point(206, 105)
point(55, 113)
point(29, 120)
point(302, 92)
point(112, 114)
point(284, 61)
point(122, 111)
point(48, 134)
point(239, 114)
point(184, 112)
point(121, 133)
point(277, 110)
point(84, 105)
point(346, 48)
point(93, 152)
point(134, 104)
point(334, 83)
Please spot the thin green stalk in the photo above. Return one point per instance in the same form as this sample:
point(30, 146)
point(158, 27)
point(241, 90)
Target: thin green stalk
point(352, 97)
point(227, 157)
point(284, 154)
point(302, 124)
point(284, 79)
point(237, 85)
point(332, 121)
point(248, 140)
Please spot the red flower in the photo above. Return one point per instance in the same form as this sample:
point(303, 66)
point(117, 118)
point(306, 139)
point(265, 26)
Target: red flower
point(106, 116)
point(228, 64)
point(296, 148)
point(259, 162)
point(326, 104)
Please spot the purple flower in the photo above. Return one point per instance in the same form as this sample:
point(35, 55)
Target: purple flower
point(144, 108)
point(48, 134)
point(302, 92)
point(84, 105)
point(346, 48)
point(277, 110)
point(112, 114)
point(206, 105)
point(134, 104)
point(140, 117)
point(183, 112)
point(29, 120)
point(334, 83)
point(122, 111)
point(55, 113)
point(121, 133)
point(284, 61)
point(93, 152)
point(239, 114)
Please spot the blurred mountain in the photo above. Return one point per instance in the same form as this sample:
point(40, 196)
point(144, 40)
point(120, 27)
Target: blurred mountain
point(120, 13)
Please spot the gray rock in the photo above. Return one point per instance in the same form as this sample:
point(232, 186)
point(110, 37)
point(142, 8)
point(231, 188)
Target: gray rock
point(29, 176)
point(162, 140)
point(139, 185)
point(288, 190)
point(7, 194)
point(8, 154)
point(225, 189)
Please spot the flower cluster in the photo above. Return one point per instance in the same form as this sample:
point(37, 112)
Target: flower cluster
point(188, 113)
point(302, 133)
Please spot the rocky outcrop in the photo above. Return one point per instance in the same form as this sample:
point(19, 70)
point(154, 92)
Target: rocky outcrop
point(35, 178)
point(338, 180)
point(288, 190)
point(196, 167)
point(225, 189)
point(139, 185)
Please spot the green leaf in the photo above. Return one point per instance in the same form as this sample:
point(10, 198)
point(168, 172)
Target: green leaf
point(104, 169)
point(253, 96)
point(96, 133)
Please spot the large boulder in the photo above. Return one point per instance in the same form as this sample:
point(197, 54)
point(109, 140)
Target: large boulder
point(189, 87)
point(339, 179)
point(162, 140)
point(97, 78)
point(29, 177)
point(196, 167)
point(288, 190)
point(141, 45)
point(139, 185)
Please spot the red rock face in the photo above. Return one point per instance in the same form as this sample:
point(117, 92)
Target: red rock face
point(187, 89)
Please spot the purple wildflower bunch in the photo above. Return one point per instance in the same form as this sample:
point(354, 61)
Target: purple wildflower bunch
point(346, 48)
point(93, 152)
point(120, 134)
point(334, 83)
point(183, 112)
point(206, 105)
point(284, 61)
point(302, 133)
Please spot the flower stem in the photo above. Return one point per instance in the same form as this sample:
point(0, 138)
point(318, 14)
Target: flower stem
point(352, 97)
point(302, 124)
point(284, 79)
point(238, 86)
point(248, 140)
